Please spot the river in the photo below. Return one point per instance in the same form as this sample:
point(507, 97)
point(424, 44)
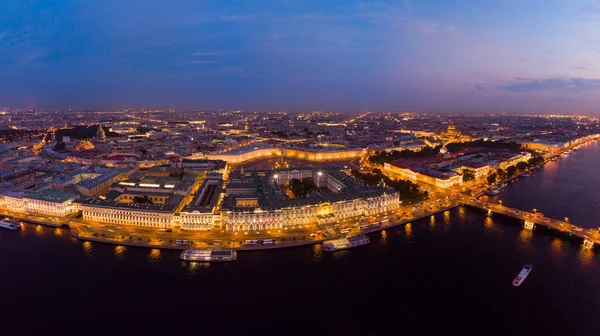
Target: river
point(448, 273)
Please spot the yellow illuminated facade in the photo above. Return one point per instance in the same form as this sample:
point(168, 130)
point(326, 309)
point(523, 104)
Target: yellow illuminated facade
point(308, 215)
point(127, 216)
point(288, 153)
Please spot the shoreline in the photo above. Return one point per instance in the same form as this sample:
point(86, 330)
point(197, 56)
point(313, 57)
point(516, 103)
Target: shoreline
point(73, 230)
point(75, 233)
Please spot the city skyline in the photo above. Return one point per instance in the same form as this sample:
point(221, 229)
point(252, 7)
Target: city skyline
point(420, 56)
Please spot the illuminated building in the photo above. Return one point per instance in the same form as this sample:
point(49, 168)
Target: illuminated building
point(201, 213)
point(148, 202)
point(45, 202)
point(445, 170)
point(265, 206)
point(237, 157)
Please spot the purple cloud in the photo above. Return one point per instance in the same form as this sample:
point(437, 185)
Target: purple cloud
point(480, 87)
point(592, 8)
point(522, 84)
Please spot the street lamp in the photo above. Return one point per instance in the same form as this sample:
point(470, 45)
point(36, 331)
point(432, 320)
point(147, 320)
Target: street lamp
point(500, 201)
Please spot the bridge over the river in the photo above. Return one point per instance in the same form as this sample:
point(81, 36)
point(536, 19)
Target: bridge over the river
point(530, 219)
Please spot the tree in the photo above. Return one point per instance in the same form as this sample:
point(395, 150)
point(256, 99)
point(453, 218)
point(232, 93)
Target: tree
point(379, 158)
point(511, 170)
point(536, 160)
point(522, 166)
point(468, 174)
point(501, 173)
point(492, 178)
point(301, 188)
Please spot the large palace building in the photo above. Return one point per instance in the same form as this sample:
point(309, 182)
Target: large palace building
point(258, 200)
point(144, 200)
point(253, 200)
point(202, 212)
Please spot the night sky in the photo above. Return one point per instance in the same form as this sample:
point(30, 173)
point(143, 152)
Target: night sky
point(425, 56)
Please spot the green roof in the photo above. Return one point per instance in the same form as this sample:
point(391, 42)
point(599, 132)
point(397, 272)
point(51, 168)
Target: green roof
point(51, 195)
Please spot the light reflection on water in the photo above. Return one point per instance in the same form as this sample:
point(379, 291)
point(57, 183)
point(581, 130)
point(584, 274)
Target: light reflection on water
point(39, 230)
point(446, 218)
point(339, 254)
point(383, 239)
point(119, 251)
point(585, 257)
point(87, 247)
point(525, 235)
point(154, 255)
point(488, 222)
point(317, 252)
point(462, 214)
point(432, 221)
point(408, 230)
point(556, 247)
point(194, 266)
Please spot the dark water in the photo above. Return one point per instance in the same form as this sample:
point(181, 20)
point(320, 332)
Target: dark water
point(450, 273)
point(569, 187)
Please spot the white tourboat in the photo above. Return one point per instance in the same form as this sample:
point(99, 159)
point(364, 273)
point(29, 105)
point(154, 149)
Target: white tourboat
point(10, 224)
point(522, 275)
point(345, 243)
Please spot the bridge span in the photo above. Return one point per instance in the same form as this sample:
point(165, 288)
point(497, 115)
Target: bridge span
point(531, 219)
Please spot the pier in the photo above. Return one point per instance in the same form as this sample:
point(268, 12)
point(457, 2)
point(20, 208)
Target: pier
point(590, 237)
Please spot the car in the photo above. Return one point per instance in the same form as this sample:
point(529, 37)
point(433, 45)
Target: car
point(111, 230)
point(313, 235)
point(216, 243)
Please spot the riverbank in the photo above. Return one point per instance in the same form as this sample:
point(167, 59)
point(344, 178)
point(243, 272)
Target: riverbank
point(520, 174)
point(75, 232)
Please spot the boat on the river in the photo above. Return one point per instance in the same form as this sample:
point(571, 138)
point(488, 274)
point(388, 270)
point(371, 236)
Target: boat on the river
point(345, 243)
point(522, 275)
point(10, 224)
point(209, 255)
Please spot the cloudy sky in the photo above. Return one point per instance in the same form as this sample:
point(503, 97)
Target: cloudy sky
point(431, 55)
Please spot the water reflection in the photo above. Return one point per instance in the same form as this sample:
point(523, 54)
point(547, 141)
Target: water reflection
point(432, 221)
point(339, 254)
point(58, 232)
point(556, 247)
point(462, 214)
point(585, 257)
point(383, 239)
point(154, 255)
point(119, 251)
point(317, 254)
point(525, 235)
point(489, 222)
point(447, 217)
point(39, 230)
point(408, 229)
point(87, 247)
